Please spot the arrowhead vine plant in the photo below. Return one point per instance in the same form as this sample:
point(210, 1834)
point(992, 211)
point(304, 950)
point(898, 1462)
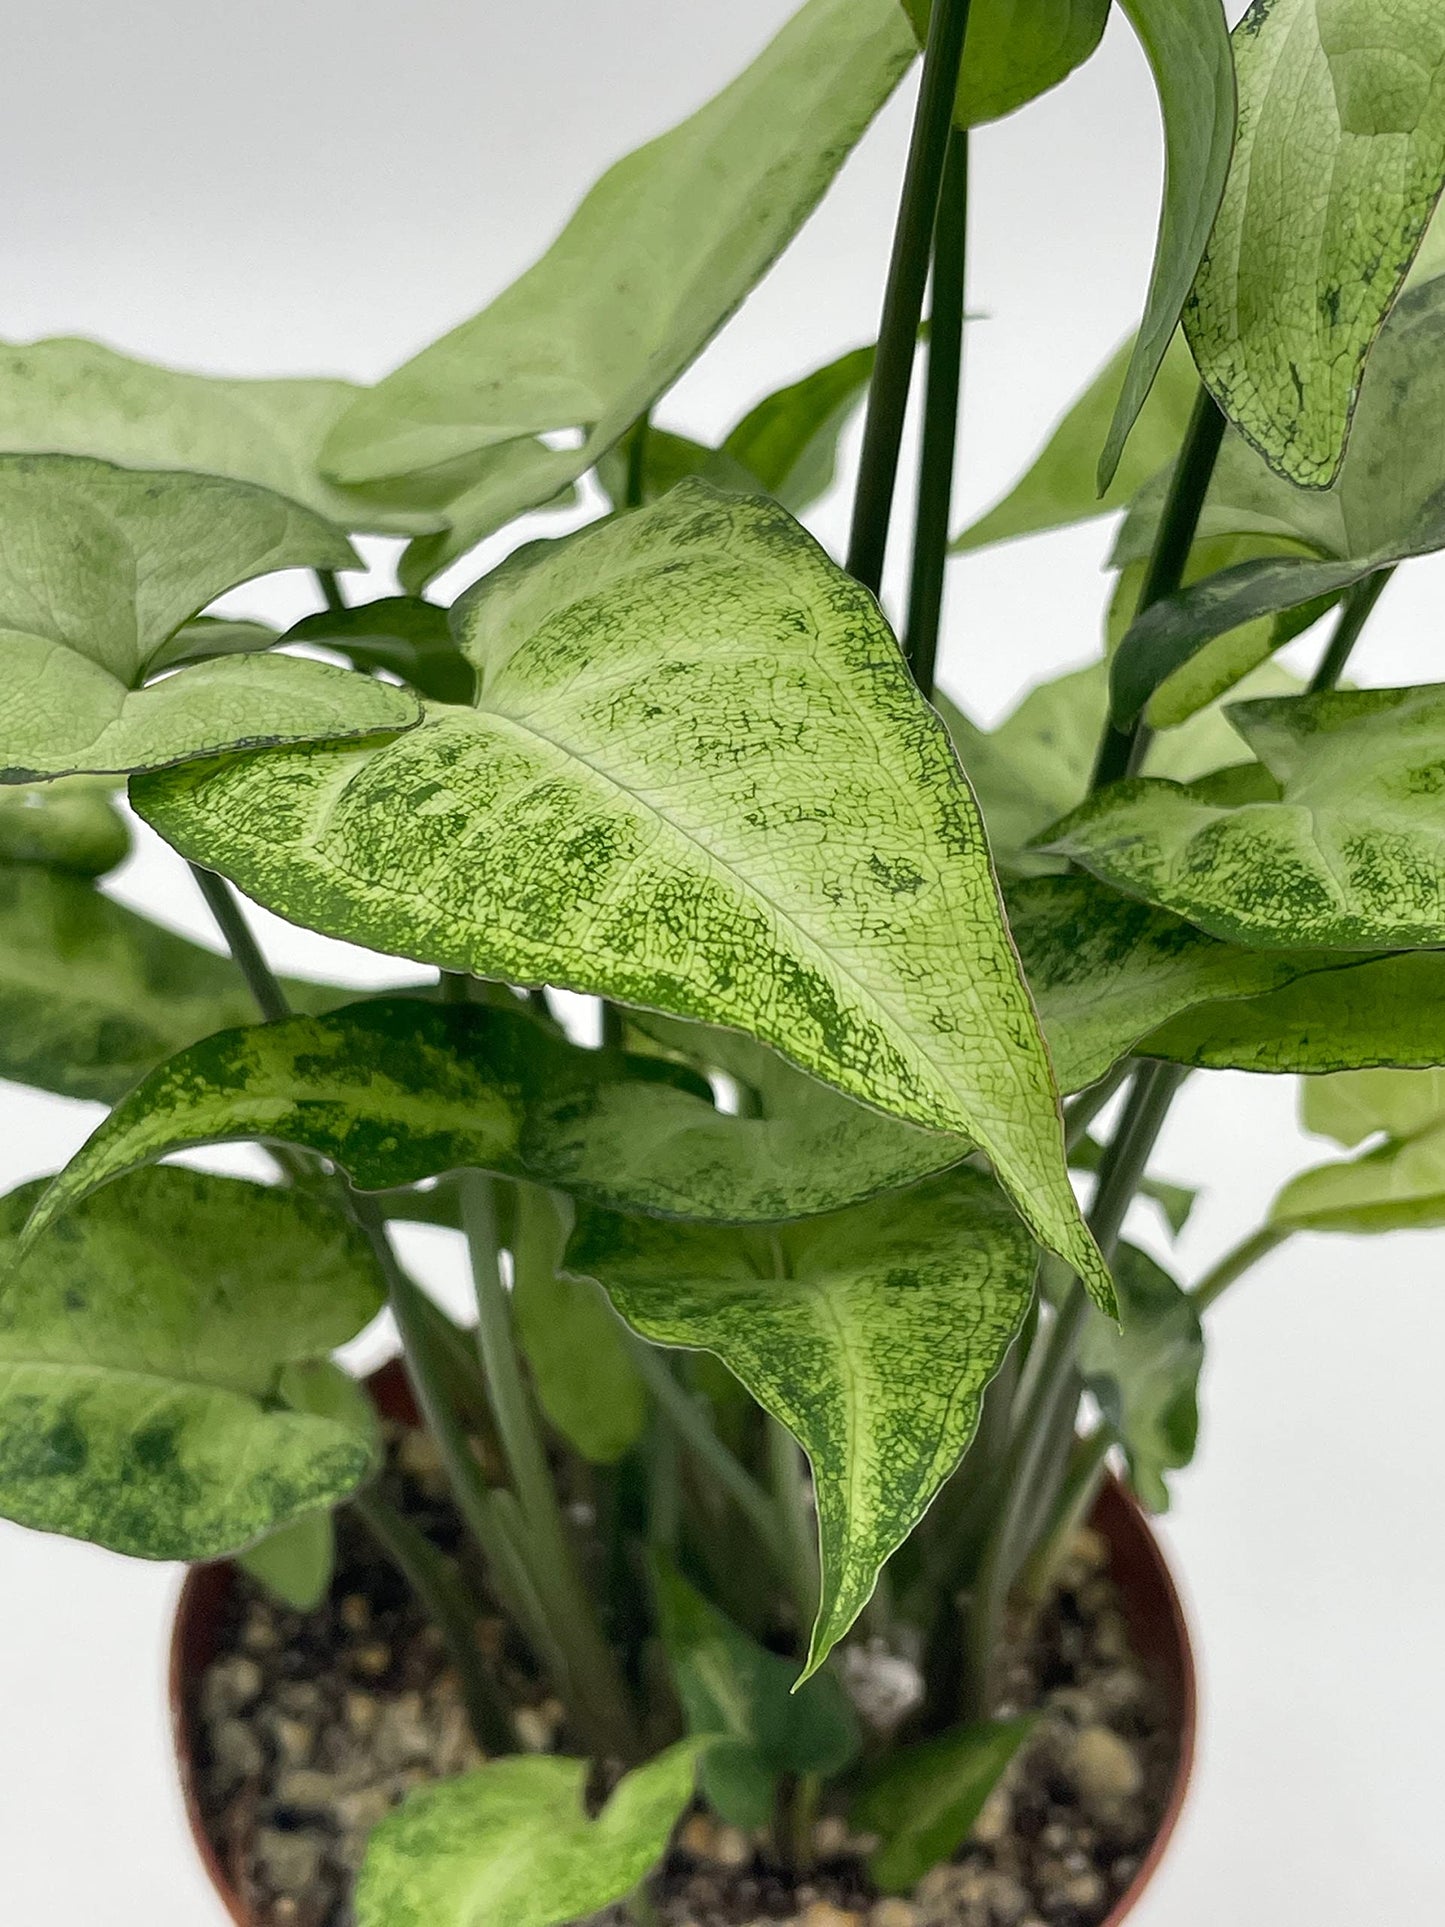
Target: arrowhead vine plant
point(793, 1257)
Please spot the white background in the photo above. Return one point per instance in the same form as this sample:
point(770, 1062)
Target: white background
point(302, 186)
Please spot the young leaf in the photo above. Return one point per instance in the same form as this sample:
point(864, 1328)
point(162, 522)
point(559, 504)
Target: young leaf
point(101, 566)
point(92, 995)
point(666, 459)
point(575, 1345)
point(1145, 1375)
point(1398, 1185)
point(71, 397)
point(1366, 1104)
point(870, 1335)
point(71, 825)
point(511, 1845)
point(1347, 859)
point(699, 779)
point(790, 440)
point(737, 1691)
point(1339, 162)
point(922, 1800)
point(1016, 50)
point(1175, 1201)
point(140, 1346)
point(652, 263)
point(1188, 47)
point(410, 637)
point(295, 1564)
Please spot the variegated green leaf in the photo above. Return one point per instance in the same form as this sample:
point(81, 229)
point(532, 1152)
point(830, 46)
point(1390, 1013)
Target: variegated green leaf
point(1339, 162)
point(1015, 50)
point(698, 779)
point(1347, 858)
point(869, 1334)
point(101, 567)
point(141, 1344)
point(1395, 1185)
point(652, 263)
point(1145, 1373)
point(511, 1845)
point(73, 397)
point(71, 825)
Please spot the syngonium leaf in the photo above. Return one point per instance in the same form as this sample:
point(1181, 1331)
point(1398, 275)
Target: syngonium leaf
point(510, 1845)
point(1397, 1184)
point(739, 1694)
point(295, 1564)
point(698, 779)
point(71, 824)
point(141, 1345)
point(652, 263)
point(1176, 1202)
point(1187, 44)
point(93, 995)
point(1339, 162)
point(869, 1334)
point(1347, 858)
point(921, 1801)
point(74, 397)
point(1015, 50)
point(403, 634)
point(1145, 1373)
point(1387, 504)
point(101, 567)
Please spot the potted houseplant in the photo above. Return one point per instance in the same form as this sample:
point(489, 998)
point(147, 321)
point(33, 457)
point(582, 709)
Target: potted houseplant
point(735, 1558)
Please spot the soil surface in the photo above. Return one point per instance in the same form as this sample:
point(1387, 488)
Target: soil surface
point(312, 1726)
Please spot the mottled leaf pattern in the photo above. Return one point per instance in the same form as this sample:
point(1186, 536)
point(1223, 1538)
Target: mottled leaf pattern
point(140, 1346)
point(511, 1845)
point(869, 1334)
point(1338, 165)
point(1016, 50)
point(700, 780)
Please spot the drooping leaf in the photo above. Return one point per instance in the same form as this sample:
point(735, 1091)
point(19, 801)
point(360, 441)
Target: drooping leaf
point(140, 1347)
point(1015, 50)
point(740, 1695)
point(1061, 485)
point(101, 566)
point(1339, 162)
point(510, 1845)
point(73, 397)
point(410, 637)
point(575, 1345)
point(1187, 44)
point(1396, 1185)
point(93, 995)
point(295, 1564)
point(652, 263)
point(1145, 1373)
point(698, 779)
point(922, 1800)
point(71, 825)
point(869, 1334)
point(1348, 858)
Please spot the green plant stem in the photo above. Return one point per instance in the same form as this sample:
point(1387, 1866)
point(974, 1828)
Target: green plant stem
point(1080, 1112)
point(790, 1493)
point(636, 483)
point(1087, 1465)
point(903, 295)
point(1122, 750)
point(1235, 1263)
point(330, 586)
point(940, 416)
point(225, 907)
point(1355, 612)
point(444, 1596)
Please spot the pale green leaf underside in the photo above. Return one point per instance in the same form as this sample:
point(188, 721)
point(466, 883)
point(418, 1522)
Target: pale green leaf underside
point(1015, 50)
point(1338, 165)
point(1145, 1375)
point(1349, 858)
point(869, 1334)
point(73, 397)
point(511, 1845)
point(70, 825)
point(1362, 1104)
point(699, 780)
point(140, 1344)
point(1396, 1185)
point(657, 256)
point(101, 566)
point(1188, 48)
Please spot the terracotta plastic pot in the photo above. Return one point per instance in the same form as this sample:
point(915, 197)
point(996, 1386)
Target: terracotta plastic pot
point(1151, 1603)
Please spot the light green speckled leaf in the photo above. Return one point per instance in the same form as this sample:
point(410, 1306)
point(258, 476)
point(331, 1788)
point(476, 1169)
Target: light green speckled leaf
point(654, 260)
point(699, 779)
point(510, 1845)
point(1338, 164)
point(1145, 1374)
point(1015, 50)
point(141, 1344)
point(1395, 1185)
point(71, 824)
point(1349, 858)
point(93, 995)
point(101, 566)
point(73, 397)
point(870, 1335)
